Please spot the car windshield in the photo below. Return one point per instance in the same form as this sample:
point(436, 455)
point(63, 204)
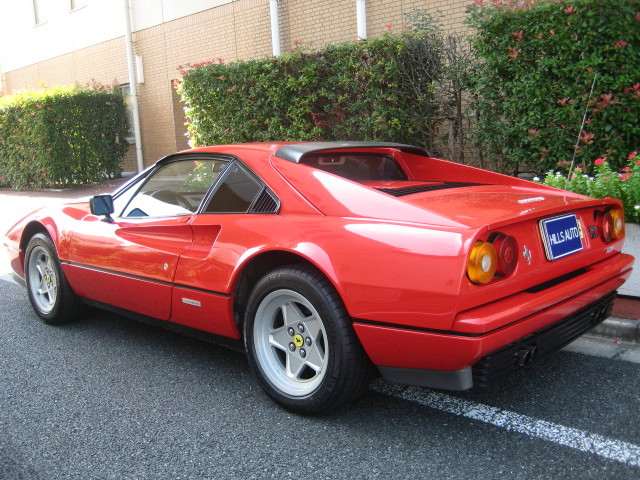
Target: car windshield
point(176, 188)
point(358, 167)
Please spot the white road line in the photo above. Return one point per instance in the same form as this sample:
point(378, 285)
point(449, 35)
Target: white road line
point(617, 450)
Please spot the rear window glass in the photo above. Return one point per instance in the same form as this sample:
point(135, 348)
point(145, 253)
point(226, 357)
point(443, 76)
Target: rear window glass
point(359, 167)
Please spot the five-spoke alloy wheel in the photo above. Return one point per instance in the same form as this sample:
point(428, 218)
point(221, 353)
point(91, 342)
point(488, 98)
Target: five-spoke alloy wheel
point(290, 342)
point(49, 293)
point(301, 344)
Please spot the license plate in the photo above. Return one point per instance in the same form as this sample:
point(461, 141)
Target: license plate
point(562, 236)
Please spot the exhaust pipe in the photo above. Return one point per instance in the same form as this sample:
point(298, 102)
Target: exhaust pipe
point(525, 356)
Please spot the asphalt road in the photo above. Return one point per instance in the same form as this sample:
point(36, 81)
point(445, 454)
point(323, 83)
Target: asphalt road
point(111, 398)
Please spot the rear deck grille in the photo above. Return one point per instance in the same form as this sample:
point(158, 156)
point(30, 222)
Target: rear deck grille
point(496, 365)
point(401, 192)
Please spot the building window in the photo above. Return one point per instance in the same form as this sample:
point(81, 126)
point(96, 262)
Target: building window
point(76, 4)
point(125, 89)
point(40, 11)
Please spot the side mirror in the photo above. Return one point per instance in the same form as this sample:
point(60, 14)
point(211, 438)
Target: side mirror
point(102, 205)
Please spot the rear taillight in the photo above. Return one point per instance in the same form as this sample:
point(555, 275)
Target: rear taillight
point(507, 249)
point(498, 256)
point(610, 224)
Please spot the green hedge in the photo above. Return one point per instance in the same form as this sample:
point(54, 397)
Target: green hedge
point(537, 64)
point(346, 91)
point(61, 137)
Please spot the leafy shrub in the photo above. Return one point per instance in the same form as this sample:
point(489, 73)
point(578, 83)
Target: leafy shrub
point(346, 91)
point(61, 137)
point(538, 63)
point(624, 185)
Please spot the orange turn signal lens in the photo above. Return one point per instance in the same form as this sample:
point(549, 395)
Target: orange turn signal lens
point(617, 217)
point(482, 263)
point(611, 224)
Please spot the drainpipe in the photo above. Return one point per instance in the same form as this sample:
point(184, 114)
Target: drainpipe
point(275, 27)
point(361, 16)
point(133, 85)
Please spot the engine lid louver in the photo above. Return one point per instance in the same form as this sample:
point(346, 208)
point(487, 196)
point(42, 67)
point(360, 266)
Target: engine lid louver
point(402, 191)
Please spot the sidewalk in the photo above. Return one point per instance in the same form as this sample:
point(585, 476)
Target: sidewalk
point(623, 326)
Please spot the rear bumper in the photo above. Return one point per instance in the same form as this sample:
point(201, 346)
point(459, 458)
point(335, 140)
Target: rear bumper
point(445, 359)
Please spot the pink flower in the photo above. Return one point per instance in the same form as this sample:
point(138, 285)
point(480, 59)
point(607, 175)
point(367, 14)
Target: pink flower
point(620, 44)
point(569, 10)
point(626, 169)
point(389, 26)
point(514, 53)
point(480, 3)
point(624, 176)
point(562, 101)
point(631, 155)
point(599, 161)
point(532, 131)
point(517, 35)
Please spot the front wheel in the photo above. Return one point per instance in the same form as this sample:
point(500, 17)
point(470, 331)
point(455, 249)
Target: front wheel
point(50, 295)
point(301, 344)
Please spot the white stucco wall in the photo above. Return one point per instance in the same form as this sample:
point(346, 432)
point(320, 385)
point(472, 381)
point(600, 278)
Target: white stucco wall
point(23, 43)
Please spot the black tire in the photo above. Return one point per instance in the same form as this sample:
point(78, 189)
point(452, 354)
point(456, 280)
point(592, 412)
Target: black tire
point(49, 292)
point(301, 344)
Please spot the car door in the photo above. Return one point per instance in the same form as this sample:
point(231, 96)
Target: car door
point(201, 294)
point(130, 261)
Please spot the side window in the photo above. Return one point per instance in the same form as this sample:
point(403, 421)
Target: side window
point(176, 188)
point(236, 192)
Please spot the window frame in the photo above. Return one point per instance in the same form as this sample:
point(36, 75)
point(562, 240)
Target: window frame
point(40, 16)
point(75, 5)
point(137, 184)
point(125, 90)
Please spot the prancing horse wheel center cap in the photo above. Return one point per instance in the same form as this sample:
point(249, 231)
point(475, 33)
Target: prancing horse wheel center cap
point(298, 340)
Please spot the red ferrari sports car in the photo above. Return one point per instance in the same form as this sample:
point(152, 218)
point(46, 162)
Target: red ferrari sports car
point(334, 260)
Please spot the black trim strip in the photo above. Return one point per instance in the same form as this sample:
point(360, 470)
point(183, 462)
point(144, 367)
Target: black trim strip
point(201, 290)
point(146, 279)
point(419, 329)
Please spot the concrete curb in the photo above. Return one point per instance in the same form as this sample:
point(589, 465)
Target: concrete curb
point(623, 329)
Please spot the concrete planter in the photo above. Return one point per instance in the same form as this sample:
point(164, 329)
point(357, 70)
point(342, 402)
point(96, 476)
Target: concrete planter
point(632, 247)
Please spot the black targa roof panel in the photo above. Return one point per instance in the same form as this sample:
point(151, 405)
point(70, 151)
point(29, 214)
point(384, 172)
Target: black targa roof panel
point(296, 151)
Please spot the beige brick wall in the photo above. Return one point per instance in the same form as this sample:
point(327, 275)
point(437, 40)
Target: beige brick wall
point(235, 31)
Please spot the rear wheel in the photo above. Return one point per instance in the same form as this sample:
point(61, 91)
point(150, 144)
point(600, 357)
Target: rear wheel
point(50, 295)
point(301, 344)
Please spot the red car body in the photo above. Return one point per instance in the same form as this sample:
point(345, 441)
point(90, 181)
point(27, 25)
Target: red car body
point(396, 249)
